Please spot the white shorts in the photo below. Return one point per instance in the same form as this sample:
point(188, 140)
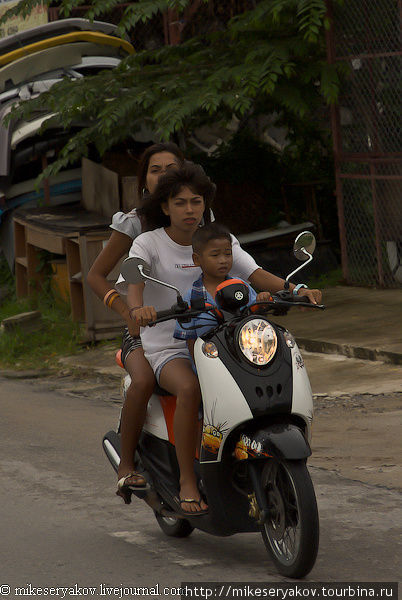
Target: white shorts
point(159, 369)
point(158, 360)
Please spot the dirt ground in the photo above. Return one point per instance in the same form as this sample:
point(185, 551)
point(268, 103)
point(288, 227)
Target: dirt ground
point(359, 437)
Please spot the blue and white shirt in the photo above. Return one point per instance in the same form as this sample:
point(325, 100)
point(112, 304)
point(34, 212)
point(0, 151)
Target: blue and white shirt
point(204, 322)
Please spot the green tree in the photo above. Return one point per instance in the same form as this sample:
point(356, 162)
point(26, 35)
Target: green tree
point(269, 58)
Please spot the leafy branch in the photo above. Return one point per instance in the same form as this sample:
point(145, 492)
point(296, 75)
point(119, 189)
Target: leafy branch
point(267, 59)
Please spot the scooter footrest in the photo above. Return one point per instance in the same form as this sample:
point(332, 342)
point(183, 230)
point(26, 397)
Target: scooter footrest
point(142, 494)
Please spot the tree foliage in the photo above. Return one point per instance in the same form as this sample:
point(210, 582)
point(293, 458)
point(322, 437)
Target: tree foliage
point(270, 58)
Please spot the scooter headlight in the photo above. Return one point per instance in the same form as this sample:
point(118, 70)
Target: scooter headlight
point(258, 341)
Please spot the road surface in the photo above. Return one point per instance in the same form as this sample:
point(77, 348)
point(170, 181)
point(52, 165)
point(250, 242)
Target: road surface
point(62, 524)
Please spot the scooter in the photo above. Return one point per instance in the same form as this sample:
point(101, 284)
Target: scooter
point(257, 415)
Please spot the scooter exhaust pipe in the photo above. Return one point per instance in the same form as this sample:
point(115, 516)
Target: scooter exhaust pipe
point(112, 448)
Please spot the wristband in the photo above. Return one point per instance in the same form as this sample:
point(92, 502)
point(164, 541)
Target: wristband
point(298, 287)
point(107, 296)
point(112, 298)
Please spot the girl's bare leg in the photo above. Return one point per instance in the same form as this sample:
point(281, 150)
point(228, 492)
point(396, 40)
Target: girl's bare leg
point(179, 379)
point(134, 411)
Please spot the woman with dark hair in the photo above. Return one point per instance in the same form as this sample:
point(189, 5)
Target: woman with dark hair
point(157, 160)
point(191, 176)
point(151, 166)
point(180, 203)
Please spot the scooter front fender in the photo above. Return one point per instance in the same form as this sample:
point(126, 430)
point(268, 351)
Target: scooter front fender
point(280, 440)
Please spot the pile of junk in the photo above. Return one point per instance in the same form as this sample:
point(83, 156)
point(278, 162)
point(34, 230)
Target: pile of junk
point(31, 62)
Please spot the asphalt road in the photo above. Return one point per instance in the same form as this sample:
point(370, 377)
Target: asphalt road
point(62, 524)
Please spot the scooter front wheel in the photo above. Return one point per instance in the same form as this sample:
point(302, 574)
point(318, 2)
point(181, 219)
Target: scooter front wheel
point(174, 527)
point(291, 528)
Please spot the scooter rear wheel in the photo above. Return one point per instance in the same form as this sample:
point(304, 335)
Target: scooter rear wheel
point(174, 527)
point(291, 530)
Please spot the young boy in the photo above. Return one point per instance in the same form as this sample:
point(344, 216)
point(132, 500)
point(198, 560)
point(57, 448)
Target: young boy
point(212, 251)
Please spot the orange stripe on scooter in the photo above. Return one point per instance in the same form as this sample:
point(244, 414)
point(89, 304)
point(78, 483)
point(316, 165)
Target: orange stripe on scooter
point(168, 404)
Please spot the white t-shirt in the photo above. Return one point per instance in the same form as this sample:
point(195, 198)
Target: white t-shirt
point(172, 263)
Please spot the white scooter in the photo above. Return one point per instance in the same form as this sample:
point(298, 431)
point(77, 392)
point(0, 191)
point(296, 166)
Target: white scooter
point(257, 414)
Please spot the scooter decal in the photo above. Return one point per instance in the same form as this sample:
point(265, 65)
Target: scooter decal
point(212, 434)
point(299, 361)
point(249, 448)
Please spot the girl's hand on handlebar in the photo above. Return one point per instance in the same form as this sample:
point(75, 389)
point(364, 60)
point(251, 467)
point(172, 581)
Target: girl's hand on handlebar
point(315, 296)
point(144, 315)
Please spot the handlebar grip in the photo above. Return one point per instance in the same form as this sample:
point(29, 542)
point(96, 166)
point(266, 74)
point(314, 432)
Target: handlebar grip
point(305, 300)
point(301, 299)
point(161, 314)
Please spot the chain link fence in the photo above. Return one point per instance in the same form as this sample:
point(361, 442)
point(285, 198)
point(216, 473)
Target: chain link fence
point(367, 128)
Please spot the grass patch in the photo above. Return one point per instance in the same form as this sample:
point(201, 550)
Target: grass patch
point(58, 336)
point(327, 280)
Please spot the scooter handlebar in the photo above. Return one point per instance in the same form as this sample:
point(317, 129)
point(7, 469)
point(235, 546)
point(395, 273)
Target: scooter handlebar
point(166, 315)
point(161, 314)
point(279, 303)
point(305, 301)
point(172, 313)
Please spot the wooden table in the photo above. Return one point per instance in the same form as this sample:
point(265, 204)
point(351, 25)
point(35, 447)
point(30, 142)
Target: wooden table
point(77, 235)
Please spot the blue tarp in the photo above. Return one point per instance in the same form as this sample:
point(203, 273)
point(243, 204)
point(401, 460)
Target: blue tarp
point(59, 189)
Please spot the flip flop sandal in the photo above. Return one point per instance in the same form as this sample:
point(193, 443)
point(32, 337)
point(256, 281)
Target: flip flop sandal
point(188, 513)
point(125, 490)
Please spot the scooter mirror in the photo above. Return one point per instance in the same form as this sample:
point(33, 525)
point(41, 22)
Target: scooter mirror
point(304, 245)
point(303, 249)
point(136, 270)
point(131, 271)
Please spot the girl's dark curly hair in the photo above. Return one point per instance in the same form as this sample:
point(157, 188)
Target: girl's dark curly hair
point(169, 185)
